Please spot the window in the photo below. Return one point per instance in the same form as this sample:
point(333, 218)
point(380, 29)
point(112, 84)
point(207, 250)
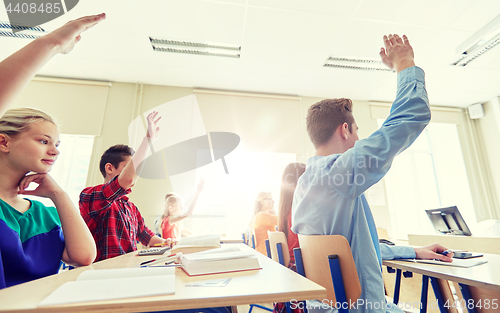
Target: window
point(227, 201)
point(71, 168)
point(429, 174)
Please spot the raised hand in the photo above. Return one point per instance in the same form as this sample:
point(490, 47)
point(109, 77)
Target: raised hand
point(153, 129)
point(398, 53)
point(201, 184)
point(47, 187)
point(64, 38)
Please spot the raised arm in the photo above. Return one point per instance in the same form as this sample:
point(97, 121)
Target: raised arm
point(370, 159)
point(17, 70)
point(192, 204)
point(128, 176)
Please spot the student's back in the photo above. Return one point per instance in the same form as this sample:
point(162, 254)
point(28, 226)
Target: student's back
point(329, 197)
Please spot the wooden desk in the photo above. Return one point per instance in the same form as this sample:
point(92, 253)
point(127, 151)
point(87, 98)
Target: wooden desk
point(274, 283)
point(481, 281)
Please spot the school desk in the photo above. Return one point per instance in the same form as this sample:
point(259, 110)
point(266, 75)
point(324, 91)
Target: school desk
point(273, 283)
point(479, 285)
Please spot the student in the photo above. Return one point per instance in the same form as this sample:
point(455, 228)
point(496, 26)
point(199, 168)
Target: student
point(174, 214)
point(329, 198)
point(114, 221)
point(263, 219)
point(35, 238)
point(289, 180)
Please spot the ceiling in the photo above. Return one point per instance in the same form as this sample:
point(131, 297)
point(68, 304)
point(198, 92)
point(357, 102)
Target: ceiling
point(284, 45)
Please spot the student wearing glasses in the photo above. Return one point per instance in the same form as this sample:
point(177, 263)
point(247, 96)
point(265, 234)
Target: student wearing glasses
point(264, 218)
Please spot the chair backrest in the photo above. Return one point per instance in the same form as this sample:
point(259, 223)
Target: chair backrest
point(276, 237)
point(382, 233)
point(253, 239)
point(315, 250)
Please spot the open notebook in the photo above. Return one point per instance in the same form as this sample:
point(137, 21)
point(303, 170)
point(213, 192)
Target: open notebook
point(98, 285)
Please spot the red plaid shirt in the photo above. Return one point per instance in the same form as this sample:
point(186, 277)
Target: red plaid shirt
point(115, 223)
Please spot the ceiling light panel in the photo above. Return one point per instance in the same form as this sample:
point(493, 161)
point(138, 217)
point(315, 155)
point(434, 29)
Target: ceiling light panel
point(356, 64)
point(482, 41)
point(193, 47)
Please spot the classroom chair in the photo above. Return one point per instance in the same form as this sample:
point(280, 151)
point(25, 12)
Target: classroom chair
point(249, 238)
point(327, 260)
point(251, 243)
point(277, 249)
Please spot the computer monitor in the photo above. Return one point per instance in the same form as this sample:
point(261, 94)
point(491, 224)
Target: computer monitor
point(448, 221)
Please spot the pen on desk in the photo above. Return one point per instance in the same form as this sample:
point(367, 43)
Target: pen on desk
point(446, 252)
point(173, 265)
point(161, 244)
point(150, 261)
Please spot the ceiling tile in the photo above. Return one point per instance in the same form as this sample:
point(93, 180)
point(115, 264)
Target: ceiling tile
point(363, 38)
point(477, 15)
point(331, 7)
point(292, 30)
point(194, 21)
point(407, 12)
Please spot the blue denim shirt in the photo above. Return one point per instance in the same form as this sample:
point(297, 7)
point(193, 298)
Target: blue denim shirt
point(329, 197)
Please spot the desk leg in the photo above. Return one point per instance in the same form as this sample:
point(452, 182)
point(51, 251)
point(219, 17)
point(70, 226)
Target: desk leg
point(467, 296)
point(234, 309)
point(439, 295)
point(423, 296)
point(397, 287)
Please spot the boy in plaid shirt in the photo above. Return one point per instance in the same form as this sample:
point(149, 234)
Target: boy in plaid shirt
point(115, 222)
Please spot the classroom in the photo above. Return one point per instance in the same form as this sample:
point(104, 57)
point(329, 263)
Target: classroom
point(254, 70)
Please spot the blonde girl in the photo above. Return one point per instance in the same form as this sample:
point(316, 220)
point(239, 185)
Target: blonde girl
point(35, 238)
point(174, 213)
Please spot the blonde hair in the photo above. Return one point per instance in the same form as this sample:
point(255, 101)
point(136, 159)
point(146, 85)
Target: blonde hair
point(258, 205)
point(170, 199)
point(15, 121)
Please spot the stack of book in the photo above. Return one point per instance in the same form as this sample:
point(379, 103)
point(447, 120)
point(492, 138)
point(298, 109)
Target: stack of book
point(220, 260)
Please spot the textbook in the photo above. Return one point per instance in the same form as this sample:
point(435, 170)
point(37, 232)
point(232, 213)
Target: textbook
point(220, 260)
point(110, 284)
point(199, 241)
point(455, 263)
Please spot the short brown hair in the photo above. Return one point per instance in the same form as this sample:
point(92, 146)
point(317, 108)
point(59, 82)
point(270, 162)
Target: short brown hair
point(325, 116)
point(114, 155)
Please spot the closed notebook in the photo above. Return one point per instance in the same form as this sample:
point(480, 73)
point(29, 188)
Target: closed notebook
point(221, 260)
point(98, 285)
point(455, 263)
point(199, 241)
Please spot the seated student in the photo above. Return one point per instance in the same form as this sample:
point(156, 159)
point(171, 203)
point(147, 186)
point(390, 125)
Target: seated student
point(174, 214)
point(263, 219)
point(329, 197)
point(115, 222)
point(35, 238)
point(289, 180)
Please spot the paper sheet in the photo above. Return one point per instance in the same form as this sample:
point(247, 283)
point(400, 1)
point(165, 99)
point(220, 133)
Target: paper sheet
point(89, 288)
